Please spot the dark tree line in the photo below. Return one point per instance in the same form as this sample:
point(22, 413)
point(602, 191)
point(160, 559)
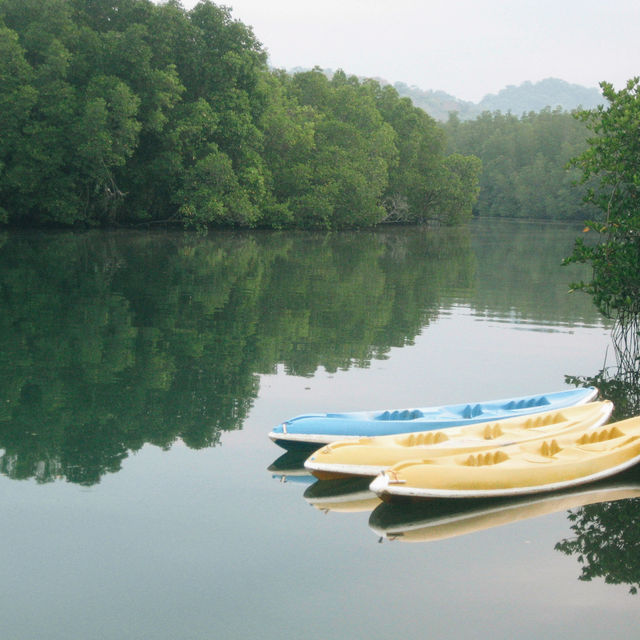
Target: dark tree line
point(524, 163)
point(126, 111)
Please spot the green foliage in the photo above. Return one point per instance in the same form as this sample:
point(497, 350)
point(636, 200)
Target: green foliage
point(461, 186)
point(524, 173)
point(134, 112)
point(611, 165)
point(424, 185)
point(346, 163)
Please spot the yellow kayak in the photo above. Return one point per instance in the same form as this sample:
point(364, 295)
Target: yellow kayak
point(430, 520)
point(549, 464)
point(370, 456)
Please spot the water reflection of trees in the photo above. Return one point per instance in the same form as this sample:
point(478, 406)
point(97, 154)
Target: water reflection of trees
point(606, 537)
point(606, 542)
point(109, 341)
point(522, 280)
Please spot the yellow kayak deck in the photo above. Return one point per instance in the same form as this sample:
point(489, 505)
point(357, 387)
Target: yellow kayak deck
point(369, 456)
point(547, 464)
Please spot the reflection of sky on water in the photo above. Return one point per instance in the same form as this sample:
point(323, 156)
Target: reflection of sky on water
point(222, 550)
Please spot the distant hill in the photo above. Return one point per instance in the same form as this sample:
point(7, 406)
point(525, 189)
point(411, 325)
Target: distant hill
point(526, 97)
point(546, 93)
point(438, 104)
point(529, 96)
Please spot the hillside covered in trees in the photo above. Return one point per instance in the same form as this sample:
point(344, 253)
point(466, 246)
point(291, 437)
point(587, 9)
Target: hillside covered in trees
point(130, 112)
point(551, 93)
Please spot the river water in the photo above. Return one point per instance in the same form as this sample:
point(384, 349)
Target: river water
point(141, 498)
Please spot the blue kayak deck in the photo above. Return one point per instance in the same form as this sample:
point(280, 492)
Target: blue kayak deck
point(328, 427)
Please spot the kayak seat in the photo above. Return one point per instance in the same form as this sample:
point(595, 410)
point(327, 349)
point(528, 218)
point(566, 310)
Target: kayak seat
point(543, 420)
point(492, 431)
point(406, 414)
point(600, 436)
point(485, 459)
point(424, 437)
point(472, 411)
point(549, 449)
point(540, 401)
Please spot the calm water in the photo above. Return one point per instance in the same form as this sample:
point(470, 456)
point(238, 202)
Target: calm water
point(141, 498)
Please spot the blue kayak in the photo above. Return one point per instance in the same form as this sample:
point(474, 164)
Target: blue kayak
point(317, 429)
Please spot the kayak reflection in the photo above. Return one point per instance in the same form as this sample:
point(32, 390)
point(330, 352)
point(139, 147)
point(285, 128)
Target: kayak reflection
point(289, 467)
point(344, 495)
point(439, 519)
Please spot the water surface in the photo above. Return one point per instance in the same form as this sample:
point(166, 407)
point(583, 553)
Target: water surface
point(141, 498)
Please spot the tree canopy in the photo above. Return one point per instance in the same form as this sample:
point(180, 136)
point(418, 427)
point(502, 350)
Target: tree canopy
point(126, 111)
point(611, 164)
point(524, 163)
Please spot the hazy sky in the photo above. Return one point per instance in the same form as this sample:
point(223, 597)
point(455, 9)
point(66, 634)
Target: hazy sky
point(465, 47)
